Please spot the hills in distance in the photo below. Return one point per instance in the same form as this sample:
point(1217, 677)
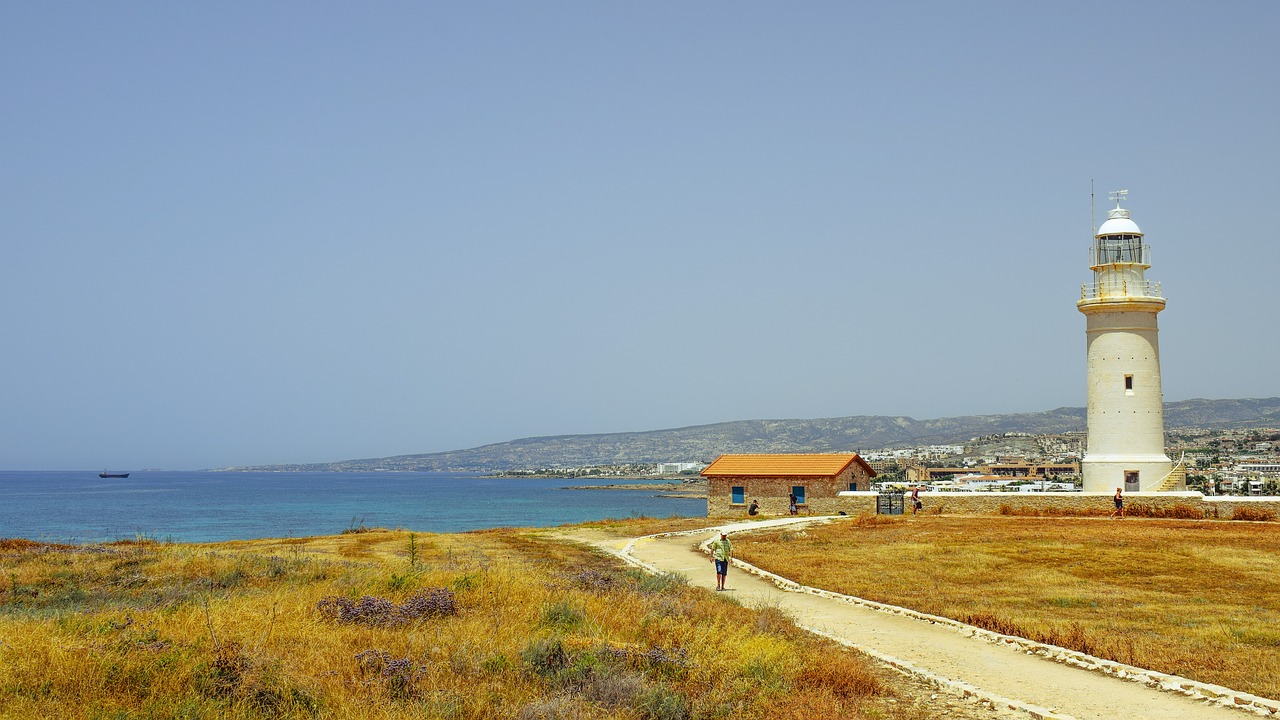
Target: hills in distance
point(703, 443)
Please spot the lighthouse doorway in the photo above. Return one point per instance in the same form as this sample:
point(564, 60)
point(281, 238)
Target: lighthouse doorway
point(1131, 483)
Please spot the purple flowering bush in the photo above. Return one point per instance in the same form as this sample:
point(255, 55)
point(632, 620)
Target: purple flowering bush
point(400, 675)
point(380, 612)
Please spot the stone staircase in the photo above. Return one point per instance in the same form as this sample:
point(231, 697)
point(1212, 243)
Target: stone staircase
point(1177, 477)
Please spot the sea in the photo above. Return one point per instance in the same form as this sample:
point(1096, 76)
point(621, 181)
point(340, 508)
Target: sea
point(195, 507)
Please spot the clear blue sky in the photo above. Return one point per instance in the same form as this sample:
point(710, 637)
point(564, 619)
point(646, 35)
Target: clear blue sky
point(248, 233)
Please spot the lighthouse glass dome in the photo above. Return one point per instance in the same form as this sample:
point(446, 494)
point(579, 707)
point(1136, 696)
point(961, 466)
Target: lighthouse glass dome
point(1119, 241)
point(1121, 249)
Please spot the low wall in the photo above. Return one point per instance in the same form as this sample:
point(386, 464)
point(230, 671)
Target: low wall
point(1226, 506)
point(848, 502)
point(1170, 504)
point(1049, 503)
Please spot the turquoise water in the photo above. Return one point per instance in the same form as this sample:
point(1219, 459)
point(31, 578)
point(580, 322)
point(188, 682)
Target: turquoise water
point(78, 506)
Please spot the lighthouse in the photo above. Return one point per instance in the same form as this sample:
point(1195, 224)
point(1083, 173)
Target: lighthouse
point(1125, 442)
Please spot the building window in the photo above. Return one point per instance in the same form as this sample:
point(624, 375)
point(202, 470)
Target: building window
point(853, 487)
point(738, 494)
point(1131, 483)
point(798, 491)
point(1128, 384)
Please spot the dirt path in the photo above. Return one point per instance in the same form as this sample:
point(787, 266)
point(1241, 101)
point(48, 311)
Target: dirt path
point(947, 655)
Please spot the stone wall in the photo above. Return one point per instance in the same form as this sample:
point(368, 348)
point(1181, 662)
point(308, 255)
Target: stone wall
point(1049, 503)
point(1226, 506)
point(1173, 504)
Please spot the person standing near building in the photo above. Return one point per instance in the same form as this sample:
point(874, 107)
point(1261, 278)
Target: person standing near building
point(915, 500)
point(721, 551)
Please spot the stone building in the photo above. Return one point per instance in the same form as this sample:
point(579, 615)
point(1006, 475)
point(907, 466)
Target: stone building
point(733, 481)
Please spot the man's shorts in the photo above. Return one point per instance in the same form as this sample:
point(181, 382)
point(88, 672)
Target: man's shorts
point(722, 567)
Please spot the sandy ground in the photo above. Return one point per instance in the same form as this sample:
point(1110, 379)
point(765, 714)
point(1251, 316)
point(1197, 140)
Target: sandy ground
point(1002, 674)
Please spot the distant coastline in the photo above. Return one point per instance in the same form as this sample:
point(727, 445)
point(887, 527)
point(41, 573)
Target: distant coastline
point(640, 452)
point(672, 488)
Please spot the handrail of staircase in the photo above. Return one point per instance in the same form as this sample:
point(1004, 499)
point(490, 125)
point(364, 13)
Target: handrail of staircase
point(1181, 465)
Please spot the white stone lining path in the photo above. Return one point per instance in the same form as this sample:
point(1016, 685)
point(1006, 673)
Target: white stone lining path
point(1043, 681)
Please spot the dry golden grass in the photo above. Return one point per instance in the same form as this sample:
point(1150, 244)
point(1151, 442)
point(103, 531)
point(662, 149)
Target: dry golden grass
point(638, 526)
point(1194, 598)
point(543, 630)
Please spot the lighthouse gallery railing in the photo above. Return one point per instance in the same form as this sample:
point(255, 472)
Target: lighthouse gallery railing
point(1120, 288)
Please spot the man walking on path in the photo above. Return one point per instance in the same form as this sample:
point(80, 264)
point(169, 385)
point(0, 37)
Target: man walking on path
point(721, 551)
point(915, 500)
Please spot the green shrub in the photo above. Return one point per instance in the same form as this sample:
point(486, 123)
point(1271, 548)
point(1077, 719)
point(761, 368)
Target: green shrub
point(662, 583)
point(563, 615)
point(661, 703)
point(546, 657)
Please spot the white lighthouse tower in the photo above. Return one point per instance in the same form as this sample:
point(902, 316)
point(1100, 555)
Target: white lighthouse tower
point(1125, 445)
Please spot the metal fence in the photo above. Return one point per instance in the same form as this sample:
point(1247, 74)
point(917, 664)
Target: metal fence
point(890, 503)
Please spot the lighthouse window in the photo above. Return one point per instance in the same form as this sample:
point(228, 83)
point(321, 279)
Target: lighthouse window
point(1128, 384)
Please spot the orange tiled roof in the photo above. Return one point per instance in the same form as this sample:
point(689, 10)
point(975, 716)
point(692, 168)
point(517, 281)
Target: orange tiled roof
point(783, 465)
